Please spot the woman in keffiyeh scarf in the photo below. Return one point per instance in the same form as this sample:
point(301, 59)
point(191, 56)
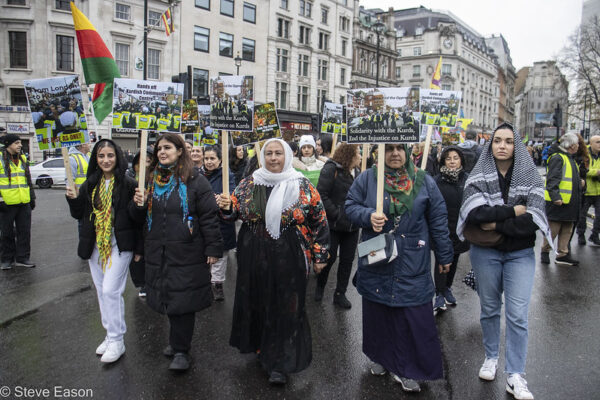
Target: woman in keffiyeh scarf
point(399, 331)
point(504, 193)
point(107, 237)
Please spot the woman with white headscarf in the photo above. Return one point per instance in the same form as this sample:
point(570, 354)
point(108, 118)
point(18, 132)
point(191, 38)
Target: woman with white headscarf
point(503, 200)
point(284, 230)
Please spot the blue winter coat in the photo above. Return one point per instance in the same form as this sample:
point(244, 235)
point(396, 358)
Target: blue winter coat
point(406, 281)
point(227, 227)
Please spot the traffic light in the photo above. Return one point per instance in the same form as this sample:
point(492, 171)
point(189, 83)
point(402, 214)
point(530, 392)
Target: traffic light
point(314, 121)
point(557, 117)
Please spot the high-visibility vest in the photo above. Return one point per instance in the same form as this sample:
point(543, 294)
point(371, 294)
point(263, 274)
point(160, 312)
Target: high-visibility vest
point(82, 166)
point(142, 121)
point(430, 119)
point(163, 124)
point(82, 122)
point(176, 121)
point(117, 120)
point(15, 191)
point(565, 187)
point(44, 136)
point(125, 117)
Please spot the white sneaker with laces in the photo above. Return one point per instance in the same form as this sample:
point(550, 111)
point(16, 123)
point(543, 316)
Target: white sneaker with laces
point(517, 386)
point(488, 369)
point(100, 350)
point(114, 351)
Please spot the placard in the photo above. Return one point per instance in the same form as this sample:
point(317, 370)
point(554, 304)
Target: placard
point(266, 126)
point(190, 123)
point(333, 121)
point(440, 107)
point(232, 103)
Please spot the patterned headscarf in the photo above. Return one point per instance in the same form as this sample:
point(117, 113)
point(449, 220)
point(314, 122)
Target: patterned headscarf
point(103, 221)
point(526, 186)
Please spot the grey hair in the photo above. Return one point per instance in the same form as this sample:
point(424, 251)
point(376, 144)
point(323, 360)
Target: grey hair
point(568, 140)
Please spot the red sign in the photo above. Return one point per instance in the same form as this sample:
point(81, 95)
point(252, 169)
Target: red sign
point(300, 126)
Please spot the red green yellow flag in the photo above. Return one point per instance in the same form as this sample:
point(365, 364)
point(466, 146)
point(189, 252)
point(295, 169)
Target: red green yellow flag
point(437, 75)
point(168, 21)
point(99, 66)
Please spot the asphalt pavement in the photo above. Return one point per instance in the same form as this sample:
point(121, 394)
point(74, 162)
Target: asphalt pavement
point(50, 327)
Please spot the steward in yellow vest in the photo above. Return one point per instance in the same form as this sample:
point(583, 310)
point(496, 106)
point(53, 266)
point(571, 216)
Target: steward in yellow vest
point(78, 160)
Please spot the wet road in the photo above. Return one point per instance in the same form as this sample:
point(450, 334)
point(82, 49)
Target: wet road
point(50, 327)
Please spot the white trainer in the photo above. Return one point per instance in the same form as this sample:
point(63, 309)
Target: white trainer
point(100, 350)
point(114, 351)
point(517, 386)
point(488, 369)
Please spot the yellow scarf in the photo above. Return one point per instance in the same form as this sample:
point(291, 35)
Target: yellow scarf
point(103, 222)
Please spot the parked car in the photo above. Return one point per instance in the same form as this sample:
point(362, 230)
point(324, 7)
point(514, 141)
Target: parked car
point(48, 173)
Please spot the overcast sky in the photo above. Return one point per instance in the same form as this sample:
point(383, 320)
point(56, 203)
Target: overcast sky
point(535, 30)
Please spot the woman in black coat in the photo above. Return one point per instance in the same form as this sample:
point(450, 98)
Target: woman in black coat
point(182, 238)
point(238, 160)
point(107, 237)
point(451, 182)
point(335, 180)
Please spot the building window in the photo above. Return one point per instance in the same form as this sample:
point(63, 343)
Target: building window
point(324, 15)
point(122, 58)
point(398, 72)
point(154, 18)
point(250, 13)
point(17, 43)
point(62, 5)
point(227, 7)
point(344, 44)
point(283, 28)
point(281, 94)
point(305, 8)
point(284, 4)
point(416, 71)
point(153, 64)
point(303, 64)
point(205, 4)
point(323, 41)
point(201, 38)
point(399, 52)
point(199, 82)
point(342, 76)
point(322, 70)
point(225, 74)
point(64, 53)
point(345, 24)
point(416, 51)
point(342, 99)
point(16, 2)
point(248, 46)
point(446, 87)
point(302, 98)
point(226, 44)
point(304, 35)
point(321, 96)
point(446, 69)
point(282, 60)
point(122, 11)
point(18, 97)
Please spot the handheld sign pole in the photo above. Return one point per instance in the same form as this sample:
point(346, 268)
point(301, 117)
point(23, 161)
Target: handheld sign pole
point(333, 144)
point(225, 160)
point(68, 172)
point(380, 176)
point(257, 153)
point(142, 169)
point(427, 146)
point(365, 155)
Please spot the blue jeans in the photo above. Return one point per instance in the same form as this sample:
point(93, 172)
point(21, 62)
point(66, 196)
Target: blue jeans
point(511, 273)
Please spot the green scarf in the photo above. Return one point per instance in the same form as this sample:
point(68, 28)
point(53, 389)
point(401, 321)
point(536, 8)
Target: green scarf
point(103, 221)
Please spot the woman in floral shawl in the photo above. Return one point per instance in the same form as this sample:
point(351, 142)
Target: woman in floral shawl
point(284, 230)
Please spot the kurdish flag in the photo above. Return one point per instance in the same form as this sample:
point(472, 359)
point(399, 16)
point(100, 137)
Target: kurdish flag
point(437, 75)
point(99, 66)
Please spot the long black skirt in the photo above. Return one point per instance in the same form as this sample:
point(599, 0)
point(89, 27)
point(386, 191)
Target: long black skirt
point(404, 340)
point(269, 315)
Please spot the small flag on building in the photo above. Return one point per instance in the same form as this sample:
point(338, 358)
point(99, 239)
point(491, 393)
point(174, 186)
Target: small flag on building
point(167, 20)
point(437, 75)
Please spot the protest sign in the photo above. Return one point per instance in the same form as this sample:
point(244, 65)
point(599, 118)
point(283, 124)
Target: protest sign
point(208, 135)
point(382, 115)
point(266, 126)
point(146, 105)
point(333, 121)
point(57, 112)
point(190, 123)
point(232, 103)
point(439, 107)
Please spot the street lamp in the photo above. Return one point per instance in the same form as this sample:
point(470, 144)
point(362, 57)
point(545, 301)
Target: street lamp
point(238, 63)
point(378, 27)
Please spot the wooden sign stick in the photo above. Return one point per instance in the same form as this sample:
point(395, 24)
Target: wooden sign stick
point(68, 172)
point(427, 146)
point(333, 144)
point(142, 168)
point(257, 153)
point(380, 176)
point(225, 160)
point(365, 156)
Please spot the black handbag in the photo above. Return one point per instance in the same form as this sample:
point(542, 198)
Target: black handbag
point(379, 250)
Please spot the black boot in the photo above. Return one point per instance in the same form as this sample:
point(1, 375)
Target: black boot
point(581, 240)
point(319, 292)
point(181, 362)
point(595, 239)
point(277, 378)
point(341, 300)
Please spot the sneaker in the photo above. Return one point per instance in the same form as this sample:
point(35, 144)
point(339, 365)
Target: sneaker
point(217, 290)
point(581, 240)
point(487, 372)
point(319, 292)
point(566, 260)
point(114, 351)
point(168, 351)
point(517, 386)
point(181, 362)
point(142, 292)
point(408, 385)
point(545, 257)
point(277, 378)
point(377, 370)
point(340, 299)
point(26, 264)
point(595, 239)
point(100, 350)
point(439, 304)
point(6, 265)
point(449, 297)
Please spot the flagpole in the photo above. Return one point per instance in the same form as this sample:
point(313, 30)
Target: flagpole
point(145, 39)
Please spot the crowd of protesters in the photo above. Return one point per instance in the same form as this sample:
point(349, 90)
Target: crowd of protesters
point(305, 205)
